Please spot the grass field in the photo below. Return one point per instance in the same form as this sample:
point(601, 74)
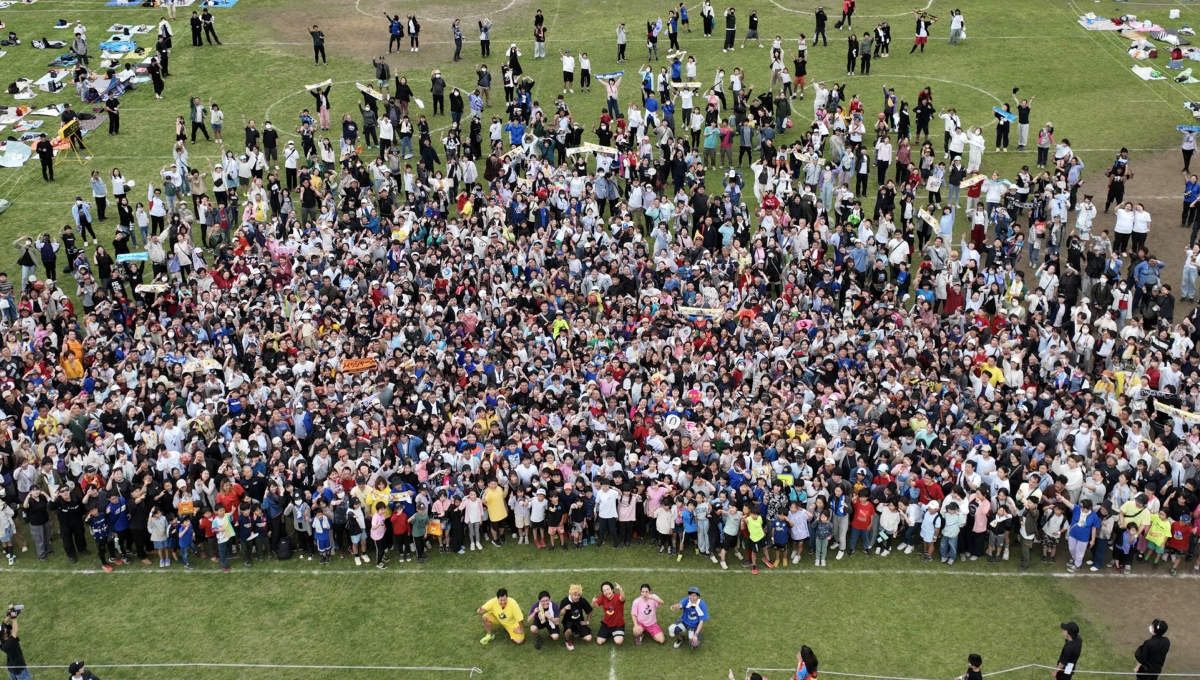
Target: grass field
point(888, 616)
point(861, 617)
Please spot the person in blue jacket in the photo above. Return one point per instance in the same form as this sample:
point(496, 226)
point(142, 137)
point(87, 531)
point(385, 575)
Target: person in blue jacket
point(693, 615)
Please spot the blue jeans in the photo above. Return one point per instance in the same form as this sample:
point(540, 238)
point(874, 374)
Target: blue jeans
point(26, 272)
point(855, 534)
point(613, 108)
point(185, 552)
point(949, 547)
point(23, 675)
point(955, 192)
point(1189, 283)
point(1100, 553)
point(406, 147)
point(223, 550)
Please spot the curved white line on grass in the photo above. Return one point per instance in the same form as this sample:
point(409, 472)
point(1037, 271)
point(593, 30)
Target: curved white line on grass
point(936, 80)
point(866, 16)
point(507, 7)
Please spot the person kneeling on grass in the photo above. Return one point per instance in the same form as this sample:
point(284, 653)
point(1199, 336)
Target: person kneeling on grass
point(611, 602)
point(576, 615)
point(645, 616)
point(693, 614)
point(501, 611)
point(544, 616)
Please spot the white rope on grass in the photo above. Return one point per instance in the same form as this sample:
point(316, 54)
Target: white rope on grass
point(472, 670)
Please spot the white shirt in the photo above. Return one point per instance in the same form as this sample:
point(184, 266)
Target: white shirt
point(568, 64)
point(606, 503)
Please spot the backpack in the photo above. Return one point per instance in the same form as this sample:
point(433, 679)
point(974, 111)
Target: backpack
point(284, 549)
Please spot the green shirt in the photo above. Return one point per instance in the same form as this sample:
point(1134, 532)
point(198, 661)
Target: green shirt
point(418, 524)
point(710, 137)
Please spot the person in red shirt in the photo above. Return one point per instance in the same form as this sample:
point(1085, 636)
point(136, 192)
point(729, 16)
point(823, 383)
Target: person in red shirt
point(611, 601)
point(860, 525)
point(1177, 544)
point(401, 535)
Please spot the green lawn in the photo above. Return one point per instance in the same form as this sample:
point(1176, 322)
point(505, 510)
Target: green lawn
point(1081, 80)
point(889, 616)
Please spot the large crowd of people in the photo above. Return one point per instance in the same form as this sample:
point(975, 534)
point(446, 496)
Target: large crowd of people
point(547, 327)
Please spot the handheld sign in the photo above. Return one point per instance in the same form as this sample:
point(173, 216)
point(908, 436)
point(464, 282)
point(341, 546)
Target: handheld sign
point(367, 89)
point(133, 257)
point(1188, 128)
point(1010, 117)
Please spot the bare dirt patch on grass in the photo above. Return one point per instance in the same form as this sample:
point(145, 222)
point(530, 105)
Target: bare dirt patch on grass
point(1124, 610)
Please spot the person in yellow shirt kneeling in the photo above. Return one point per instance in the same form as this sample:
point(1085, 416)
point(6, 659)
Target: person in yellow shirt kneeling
point(504, 611)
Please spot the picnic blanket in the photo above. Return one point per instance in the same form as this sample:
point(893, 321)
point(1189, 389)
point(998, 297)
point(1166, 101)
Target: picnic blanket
point(15, 154)
point(1186, 78)
point(55, 76)
point(1094, 23)
point(118, 46)
point(54, 111)
point(1169, 36)
point(1147, 73)
point(126, 29)
point(218, 3)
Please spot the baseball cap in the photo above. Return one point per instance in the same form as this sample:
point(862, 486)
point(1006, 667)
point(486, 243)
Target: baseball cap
point(693, 590)
point(1071, 627)
point(75, 667)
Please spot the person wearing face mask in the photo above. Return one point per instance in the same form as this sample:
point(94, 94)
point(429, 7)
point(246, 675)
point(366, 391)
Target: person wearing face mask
point(1151, 655)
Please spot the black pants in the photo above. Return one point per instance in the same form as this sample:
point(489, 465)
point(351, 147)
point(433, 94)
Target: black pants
point(290, 173)
point(866, 64)
point(319, 54)
point(730, 38)
point(708, 26)
point(674, 40)
point(1116, 194)
point(114, 123)
point(1043, 156)
point(607, 526)
point(157, 224)
point(85, 228)
point(860, 183)
point(275, 527)
point(1187, 159)
point(621, 52)
point(1120, 241)
point(821, 34)
point(1139, 241)
point(1002, 137)
point(1189, 213)
point(163, 58)
point(395, 40)
point(202, 128)
point(371, 135)
point(439, 104)
point(882, 168)
point(210, 34)
point(485, 48)
point(47, 169)
point(101, 206)
point(197, 41)
point(73, 538)
point(51, 268)
point(414, 40)
point(851, 62)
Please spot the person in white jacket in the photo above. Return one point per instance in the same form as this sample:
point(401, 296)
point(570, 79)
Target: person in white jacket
point(975, 144)
point(1084, 215)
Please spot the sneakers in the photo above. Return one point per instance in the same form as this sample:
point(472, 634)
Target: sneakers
point(1005, 557)
point(840, 555)
point(678, 644)
point(380, 565)
point(472, 547)
point(723, 565)
point(679, 557)
point(714, 559)
point(106, 567)
point(570, 646)
point(225, 570)
point(795, 557)
point(357, 561)
point(638, 641)
point(487, 638)
point(537, 642)
point(950, 563)
point(753, 569)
